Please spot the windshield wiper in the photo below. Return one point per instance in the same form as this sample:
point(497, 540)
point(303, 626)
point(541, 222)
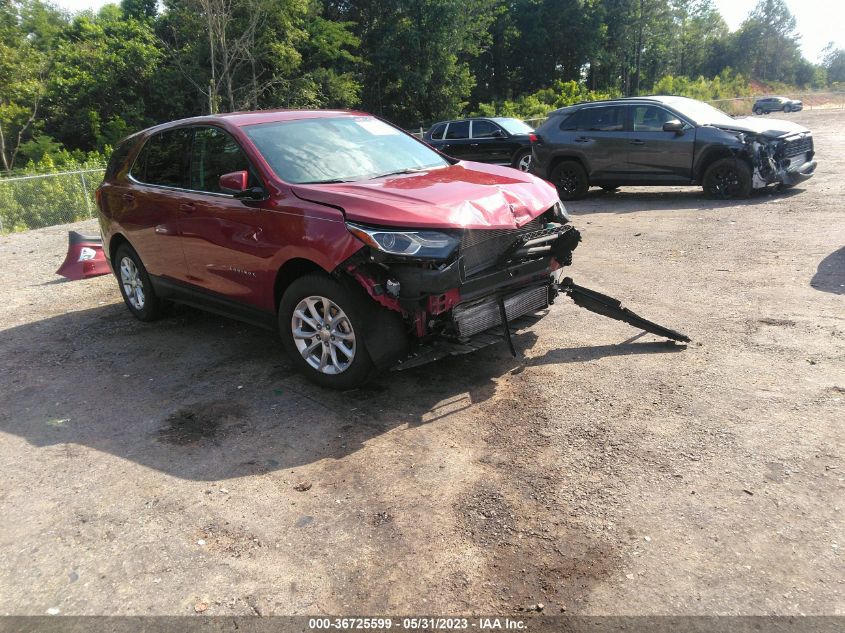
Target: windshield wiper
point(330, 181)
point(399, 172)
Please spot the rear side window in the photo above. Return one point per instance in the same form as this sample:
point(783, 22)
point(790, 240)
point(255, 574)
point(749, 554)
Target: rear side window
point(458, 129)
point(117, 159)
point(604, 119)
point(437, 131)
point(483, 129)
point(216, 153)
point(164, 159)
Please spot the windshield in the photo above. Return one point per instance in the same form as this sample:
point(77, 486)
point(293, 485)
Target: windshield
point(701, 113)
point(515, 126)
point(339, 149)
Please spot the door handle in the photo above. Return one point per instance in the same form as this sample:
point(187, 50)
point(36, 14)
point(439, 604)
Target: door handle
point(581, 139)
point(187, 207)
point(637, 141)
point(473, 144)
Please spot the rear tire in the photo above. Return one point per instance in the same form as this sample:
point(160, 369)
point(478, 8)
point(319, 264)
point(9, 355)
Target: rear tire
point(135, 285)
point(570, 179)
point(522, 161)
point(322, 325)
point(726, 179)
point(758, 111)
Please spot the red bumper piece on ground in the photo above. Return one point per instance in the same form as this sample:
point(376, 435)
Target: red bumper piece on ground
point(85, 257)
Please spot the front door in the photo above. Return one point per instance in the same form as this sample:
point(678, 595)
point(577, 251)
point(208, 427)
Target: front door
point(489, 144)
point(655, 155)
point(228, 242)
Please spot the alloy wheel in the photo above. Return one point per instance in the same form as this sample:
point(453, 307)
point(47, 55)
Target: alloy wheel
point(725, 183)
point(323, 334)
point(524, 163)
point(568, 181)
point(133, 286)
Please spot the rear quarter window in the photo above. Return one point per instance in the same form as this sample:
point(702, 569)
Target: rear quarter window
point(437, 131)
point(118, 159)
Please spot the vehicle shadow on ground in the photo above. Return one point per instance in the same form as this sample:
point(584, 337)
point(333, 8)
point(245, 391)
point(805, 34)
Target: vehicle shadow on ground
point(830, 275)
point(660, 199)
point(201, 397)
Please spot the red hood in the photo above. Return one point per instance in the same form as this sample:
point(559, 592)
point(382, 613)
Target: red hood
point(465, 195)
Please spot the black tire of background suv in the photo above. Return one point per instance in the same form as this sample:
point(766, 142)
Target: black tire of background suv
point(519, 156)
point(787, 108)
point(739, 167)
point(357, 307)
point(574, 170)
point(759, 111)
point(154, 308)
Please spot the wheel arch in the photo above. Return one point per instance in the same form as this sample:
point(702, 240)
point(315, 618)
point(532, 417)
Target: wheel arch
point(718, 153)
point(117, 240)
point(289, 272)
point(557, 159)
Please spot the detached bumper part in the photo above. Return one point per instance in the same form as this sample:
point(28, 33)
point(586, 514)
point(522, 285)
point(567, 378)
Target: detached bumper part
point(612, 308)
point(85, 257)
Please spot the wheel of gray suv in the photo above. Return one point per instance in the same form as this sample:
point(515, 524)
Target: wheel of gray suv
point(522, 162)
point(758, 111)
point(787, 108)
point(570, 179)
point(322, 323)
point(135, 285)
point(727, 178)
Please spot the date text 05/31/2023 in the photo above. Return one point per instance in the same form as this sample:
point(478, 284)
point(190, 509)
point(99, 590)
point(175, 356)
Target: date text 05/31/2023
point(412, 624)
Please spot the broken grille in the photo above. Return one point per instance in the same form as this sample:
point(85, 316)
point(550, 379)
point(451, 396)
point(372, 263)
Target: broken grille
point(482, 248)
point(485, 314)
point(798, 146)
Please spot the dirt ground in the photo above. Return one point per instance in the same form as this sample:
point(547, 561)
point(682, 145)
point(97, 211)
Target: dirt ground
point(183, 466)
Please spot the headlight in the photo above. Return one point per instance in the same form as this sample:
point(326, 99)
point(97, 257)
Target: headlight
point(422, 244)
point(560, 212)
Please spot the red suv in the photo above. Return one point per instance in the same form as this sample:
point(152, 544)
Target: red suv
point(363, 246)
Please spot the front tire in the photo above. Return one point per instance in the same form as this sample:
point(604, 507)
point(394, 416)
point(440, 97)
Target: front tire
point(322, 325)
point(570, 179)
point(135, 285)
point(727, 178)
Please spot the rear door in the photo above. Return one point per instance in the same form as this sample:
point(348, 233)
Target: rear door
point(456, 142)
point(599, 135)
point(655, 155)
point(489, 144)
point(228, 242)
point(151, 209)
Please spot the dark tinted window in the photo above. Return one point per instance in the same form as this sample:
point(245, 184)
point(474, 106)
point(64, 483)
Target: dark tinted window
point(437, 131)
point(117, 159)
point(603, 119)
point(458, 129)
point(483, 129)
point(164, 159)
point(651, 118)
point(216, 153)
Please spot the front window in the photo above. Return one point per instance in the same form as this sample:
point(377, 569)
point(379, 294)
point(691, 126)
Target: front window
point(216, 153)
point(701, 113)
point(648, 118)
point(339, 149)
point(484, 129)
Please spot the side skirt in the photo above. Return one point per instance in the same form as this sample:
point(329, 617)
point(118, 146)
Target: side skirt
point(211, 302)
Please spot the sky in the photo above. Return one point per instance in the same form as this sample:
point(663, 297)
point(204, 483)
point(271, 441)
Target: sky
point(819, 21)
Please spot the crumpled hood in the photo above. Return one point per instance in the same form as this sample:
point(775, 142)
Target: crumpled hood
point(773, 128)
point(465, 195)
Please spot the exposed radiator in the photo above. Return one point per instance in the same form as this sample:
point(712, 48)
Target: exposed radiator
point(483, 315)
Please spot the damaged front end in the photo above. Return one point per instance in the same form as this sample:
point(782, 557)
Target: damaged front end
point(459, 290)
point(783, 160)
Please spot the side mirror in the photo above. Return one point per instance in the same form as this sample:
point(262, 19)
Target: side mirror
point(674, 125)
point(234, 182)
point(237, 184)
point(498, 134)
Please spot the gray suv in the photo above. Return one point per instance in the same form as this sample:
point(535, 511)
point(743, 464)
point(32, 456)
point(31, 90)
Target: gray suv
point(668, 141)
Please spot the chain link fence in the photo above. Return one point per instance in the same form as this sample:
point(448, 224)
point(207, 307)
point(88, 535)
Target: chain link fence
point(36, 201)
